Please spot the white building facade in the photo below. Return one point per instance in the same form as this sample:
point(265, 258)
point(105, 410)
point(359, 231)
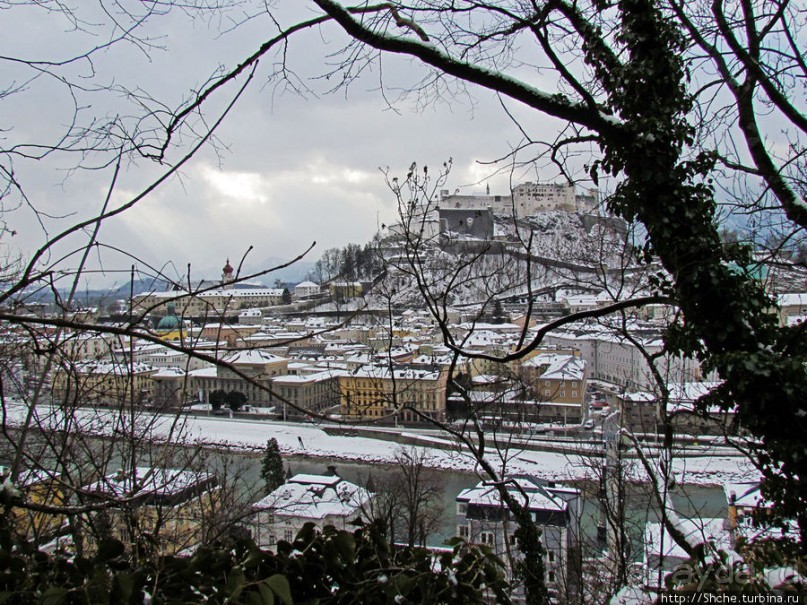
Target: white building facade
point(319, 499)
point(482, 518)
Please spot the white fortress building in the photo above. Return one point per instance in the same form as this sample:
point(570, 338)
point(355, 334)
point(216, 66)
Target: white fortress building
point(526, 199)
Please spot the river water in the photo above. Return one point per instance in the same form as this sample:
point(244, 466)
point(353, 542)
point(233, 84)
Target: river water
point(688, 501)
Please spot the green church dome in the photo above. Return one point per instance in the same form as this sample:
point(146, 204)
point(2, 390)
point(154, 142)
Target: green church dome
point(170, 322)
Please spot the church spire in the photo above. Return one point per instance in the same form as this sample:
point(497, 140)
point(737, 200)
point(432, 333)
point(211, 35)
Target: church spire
point(227, 274)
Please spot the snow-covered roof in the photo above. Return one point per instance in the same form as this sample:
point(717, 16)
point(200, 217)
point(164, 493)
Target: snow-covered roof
point(29, 476)
point(559, 366)
point(540, 497)
point(315, 497)
point(659, 542)
point(250, 313)
point(399, 373)
point(581, 299)
point(501, 327)
point(291, 379)
point(681, 397)
point(433, 359)
point(149, 482)
point(691, 391)
point(746, 495)
point(639, 396)
point(111, 368)
point(252, 357)
point(211, 372)
point(169, 372)
point(793, 299)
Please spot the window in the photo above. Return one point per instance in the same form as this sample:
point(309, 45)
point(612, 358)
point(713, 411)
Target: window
point(551, 556)
point(288, 535)
point(512, 540)
point(487, 537)
point(552, 576)
point(462, 531)
point(462, 508)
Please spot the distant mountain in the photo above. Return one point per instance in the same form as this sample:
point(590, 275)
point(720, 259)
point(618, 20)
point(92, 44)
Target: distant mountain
point(137, 287)
point(88, 297)
point(292, 274)
point(102, 296)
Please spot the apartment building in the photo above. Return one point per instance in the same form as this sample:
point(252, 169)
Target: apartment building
point(168, 507)
point(314, 392)
point(102, 382)
point(483, 518)
point(406, 393)
point(250, 372)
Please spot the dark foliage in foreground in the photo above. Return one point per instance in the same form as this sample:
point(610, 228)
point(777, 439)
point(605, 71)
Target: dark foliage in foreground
point(332, 566)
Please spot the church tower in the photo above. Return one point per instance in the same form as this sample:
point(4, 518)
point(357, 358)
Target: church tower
point(227, 277)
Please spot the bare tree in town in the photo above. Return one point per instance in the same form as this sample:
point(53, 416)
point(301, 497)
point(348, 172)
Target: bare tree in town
point(408, 499)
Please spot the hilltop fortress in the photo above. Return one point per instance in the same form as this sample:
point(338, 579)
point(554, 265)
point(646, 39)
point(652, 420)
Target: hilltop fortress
point(475, 215)
point(526, 199)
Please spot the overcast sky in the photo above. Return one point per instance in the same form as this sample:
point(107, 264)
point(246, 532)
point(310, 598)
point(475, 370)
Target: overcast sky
point(291, 169)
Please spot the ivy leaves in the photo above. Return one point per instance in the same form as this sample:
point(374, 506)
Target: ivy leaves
point(319, 567)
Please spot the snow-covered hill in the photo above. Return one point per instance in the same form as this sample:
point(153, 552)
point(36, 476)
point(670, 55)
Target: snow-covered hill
point(533, 256)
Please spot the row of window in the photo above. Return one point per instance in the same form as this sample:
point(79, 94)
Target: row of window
point(562, 393)
point(489, 538)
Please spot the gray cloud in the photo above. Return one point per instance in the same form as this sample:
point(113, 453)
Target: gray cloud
point(290, 170)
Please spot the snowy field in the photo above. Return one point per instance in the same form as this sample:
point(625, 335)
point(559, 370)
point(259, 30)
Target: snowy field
point(311, 441)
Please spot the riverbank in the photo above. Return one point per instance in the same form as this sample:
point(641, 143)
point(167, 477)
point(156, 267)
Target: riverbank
point(713, 467)
point(304, 440)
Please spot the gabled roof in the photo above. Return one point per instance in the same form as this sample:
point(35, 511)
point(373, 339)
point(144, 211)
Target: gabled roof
point(252, 357)
point(314, 497)
point(101, 368)
point(540, 497)
point(659, 542)
point(152, 484)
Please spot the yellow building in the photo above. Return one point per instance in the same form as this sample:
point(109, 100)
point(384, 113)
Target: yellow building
point(169, 509)
point(556, 377)
point(37, 487)
point(171, 327)
point(407, 393)
point(102, 383)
